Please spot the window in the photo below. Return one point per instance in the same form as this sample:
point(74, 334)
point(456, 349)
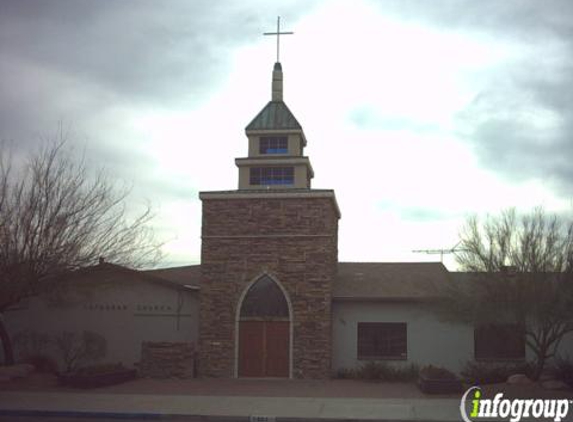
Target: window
point(272, 176)
point(264, 299)
point(499, 341)
point(382, 340)
point(273, 145)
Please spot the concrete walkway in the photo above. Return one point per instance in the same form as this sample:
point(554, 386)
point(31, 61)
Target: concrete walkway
point(223, 407)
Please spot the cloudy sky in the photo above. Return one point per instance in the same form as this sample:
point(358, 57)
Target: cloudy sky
point(434, 109)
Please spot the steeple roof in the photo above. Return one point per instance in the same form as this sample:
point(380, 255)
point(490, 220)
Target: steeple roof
point(274, 116)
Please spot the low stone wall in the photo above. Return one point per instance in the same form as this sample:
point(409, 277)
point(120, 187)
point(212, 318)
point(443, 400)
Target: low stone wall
point(167, 360)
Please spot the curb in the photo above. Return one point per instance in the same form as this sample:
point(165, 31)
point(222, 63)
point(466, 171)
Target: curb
point(174, 417)
point(81, 414)
point(124, 416)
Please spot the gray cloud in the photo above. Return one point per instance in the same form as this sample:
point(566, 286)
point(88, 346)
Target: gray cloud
point(526, 20)
point(72, 59)
point(521, 122)
point(69, 59)
point(134, 49)
point(366, 117)
point(521, 125)
point(419, 213)
point(85, 62)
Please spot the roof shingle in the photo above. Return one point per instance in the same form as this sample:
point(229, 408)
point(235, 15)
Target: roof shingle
point(189, 275)
point(389, 280)
point(275, 115)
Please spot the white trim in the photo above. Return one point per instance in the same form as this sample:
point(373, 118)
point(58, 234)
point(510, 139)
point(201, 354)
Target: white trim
point(241, 194)
point(272, 159)
point(272, 131)
point(265, 160)
point(238, 318)
point(255, 132)
point(282, 194)
point(257, 236)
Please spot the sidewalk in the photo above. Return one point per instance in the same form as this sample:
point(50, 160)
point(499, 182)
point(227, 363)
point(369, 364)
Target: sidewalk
point(238, 399)
point(223, 407)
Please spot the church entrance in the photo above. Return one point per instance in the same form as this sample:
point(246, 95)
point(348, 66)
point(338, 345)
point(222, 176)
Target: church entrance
point(264, 331)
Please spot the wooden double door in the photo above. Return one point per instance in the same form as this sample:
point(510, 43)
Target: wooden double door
point(264, 348)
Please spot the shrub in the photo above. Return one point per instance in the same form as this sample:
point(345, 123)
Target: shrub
point(42, 363)
point(345, 373)
point(491, 372)
point(564, 370)
point(28, 343)
point(438, 380)
point(76, 348)
point(436, 372)
point(382, 371)
point(103, 368)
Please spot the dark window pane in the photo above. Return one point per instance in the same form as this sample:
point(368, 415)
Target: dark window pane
point(255, 176)
point(499, 341)
point(382, 340)
point(288, 175)
point(263, 145)
point(271, 176)
point(264, 299)
point(273, 145)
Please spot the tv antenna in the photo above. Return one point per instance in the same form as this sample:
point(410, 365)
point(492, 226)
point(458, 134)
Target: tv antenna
point(442, 252)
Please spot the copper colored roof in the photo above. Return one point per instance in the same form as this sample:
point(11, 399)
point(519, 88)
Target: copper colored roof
point(275, 115)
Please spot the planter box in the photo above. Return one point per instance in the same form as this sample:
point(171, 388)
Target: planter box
point(96, 380)
point(439, 385)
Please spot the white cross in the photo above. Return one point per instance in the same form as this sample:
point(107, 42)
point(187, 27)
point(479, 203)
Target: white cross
point(278, 34)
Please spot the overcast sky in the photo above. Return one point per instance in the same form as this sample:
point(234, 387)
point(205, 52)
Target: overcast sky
point(417, 113)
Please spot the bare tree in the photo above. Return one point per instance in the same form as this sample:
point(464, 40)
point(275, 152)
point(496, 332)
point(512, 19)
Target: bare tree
point(56, 218)
point(522, 273)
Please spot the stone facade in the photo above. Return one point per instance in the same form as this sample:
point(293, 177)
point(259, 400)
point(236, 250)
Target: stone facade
point(293, 239)
point(167, 360)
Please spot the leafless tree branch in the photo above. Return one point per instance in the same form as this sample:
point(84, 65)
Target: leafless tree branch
point(56, 218)
point(523, 273)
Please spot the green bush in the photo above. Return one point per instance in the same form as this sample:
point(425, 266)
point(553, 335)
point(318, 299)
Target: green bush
point(491, 372)
point(382, 371)
point(103, 368)
point(436, 372)
point(564, 370)
point(345, 373)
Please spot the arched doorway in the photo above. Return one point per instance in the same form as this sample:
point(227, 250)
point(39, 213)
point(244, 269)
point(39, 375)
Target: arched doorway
point(264, 331)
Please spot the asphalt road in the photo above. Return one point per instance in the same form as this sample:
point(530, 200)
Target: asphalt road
point(93, 419)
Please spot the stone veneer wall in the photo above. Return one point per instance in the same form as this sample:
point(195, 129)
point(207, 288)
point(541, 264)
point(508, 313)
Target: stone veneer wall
point(167, 360)
point(293, 240)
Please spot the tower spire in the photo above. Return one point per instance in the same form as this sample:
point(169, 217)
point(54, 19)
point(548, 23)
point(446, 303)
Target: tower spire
point(277, 88)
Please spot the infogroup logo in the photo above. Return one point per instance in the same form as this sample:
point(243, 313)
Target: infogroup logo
point(510, 409)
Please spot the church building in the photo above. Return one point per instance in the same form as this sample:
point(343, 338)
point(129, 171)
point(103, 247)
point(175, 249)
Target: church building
point(270, 298)
point(268, 258)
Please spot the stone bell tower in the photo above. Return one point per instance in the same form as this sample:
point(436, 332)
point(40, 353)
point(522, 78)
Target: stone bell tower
point(268, 259)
